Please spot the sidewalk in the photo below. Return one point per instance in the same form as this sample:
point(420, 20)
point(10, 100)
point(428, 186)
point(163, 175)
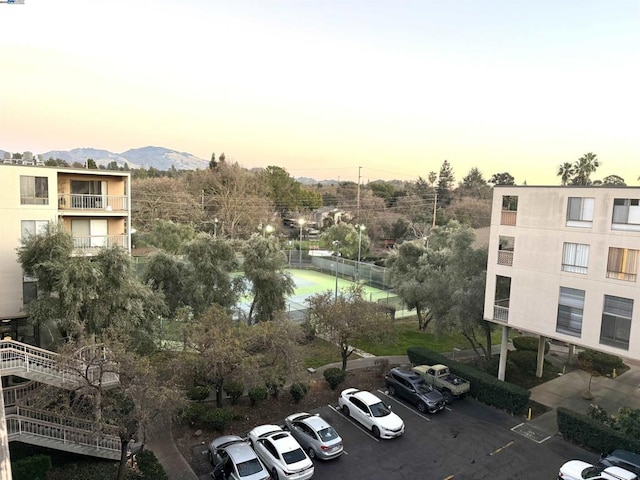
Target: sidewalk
point(161, 443)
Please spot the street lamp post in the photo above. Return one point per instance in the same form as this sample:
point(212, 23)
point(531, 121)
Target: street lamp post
point(336, 245)
point(361, 228)
point(267, 230)
point(215, 227)
point(301, 223)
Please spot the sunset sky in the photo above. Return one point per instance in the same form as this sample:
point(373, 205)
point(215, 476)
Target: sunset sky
point(323, 87)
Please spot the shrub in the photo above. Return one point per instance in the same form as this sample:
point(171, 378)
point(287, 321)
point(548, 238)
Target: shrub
point(31, 468)
point(198, 393)
point(334, 377)
point(257, 395)
point(529, 344)
point(234, 389)
point(195, 413)
point(218, 418)
point(600, 362)
point(298, 390)
point(525, 360)
point(150, 467)
point(274, 386)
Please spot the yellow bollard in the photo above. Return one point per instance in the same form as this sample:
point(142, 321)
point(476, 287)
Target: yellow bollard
point(614, 374)
point(529, 415)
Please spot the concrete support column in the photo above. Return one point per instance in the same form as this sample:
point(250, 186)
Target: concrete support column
point(504, 348)
point(542, 343)
point(5, 460)
point(572, 351)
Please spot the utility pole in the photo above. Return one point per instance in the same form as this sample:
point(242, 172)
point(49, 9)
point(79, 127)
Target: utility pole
point(435, 198)
point(358, 195)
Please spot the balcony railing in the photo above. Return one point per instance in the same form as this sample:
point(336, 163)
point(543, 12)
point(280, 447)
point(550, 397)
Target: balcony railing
point(501, 310)
point(95, 242)
point(508, 217)
point(107, 203)
point(505, 257)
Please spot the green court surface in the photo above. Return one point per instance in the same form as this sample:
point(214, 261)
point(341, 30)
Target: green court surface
point(310, 282)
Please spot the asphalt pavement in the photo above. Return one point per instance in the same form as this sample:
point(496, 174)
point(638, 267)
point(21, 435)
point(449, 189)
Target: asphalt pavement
point(567, 390)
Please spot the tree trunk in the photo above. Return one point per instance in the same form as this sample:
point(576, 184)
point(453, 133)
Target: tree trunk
point(122, 467)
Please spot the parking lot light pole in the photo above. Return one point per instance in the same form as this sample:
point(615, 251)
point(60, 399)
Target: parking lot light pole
point(336, 245)
point(301, 222)
point(360, 228)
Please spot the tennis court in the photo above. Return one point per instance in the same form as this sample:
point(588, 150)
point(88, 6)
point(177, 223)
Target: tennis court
point(311, 282)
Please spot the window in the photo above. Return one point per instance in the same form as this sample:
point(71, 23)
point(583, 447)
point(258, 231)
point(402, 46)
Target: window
point(575, 257)
point(579, 212)
point(570, 308)
point(505, 250)
point(622, 264)
point(509, 210)
point(33, 227)
point(626, 214)
point(34, 190)
point(616, 321)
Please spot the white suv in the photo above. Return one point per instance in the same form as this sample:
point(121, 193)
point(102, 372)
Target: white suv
point(579, 470)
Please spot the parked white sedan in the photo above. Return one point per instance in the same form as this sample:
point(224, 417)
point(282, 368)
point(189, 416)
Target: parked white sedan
point(579, 470)
point(371, 412)
point(281, 453)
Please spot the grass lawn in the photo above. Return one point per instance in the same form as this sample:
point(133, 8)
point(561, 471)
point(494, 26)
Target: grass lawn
point(408, 335)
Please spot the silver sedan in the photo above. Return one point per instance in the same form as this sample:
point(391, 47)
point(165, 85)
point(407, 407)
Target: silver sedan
point(315, 435)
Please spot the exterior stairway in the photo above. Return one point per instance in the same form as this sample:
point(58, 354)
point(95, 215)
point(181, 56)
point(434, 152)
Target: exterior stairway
point(38, 427)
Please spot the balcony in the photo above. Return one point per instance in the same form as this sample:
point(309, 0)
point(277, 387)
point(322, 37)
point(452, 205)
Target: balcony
point(93, 243)
point(508, 217)
point(109, 203)
point(501, 310)
point(505, 257)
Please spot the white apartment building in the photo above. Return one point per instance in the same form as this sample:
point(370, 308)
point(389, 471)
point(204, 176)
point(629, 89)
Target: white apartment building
point(563, 264)
point(94, 205)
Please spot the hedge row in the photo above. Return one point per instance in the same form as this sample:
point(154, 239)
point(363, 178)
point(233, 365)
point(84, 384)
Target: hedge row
point(590, 433)
point(484, 387)
point(529, 344)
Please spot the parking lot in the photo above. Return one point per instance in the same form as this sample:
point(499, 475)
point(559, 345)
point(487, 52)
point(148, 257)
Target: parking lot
point(468, 440)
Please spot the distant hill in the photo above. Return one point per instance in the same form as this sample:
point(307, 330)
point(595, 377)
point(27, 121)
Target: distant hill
point(145, 157)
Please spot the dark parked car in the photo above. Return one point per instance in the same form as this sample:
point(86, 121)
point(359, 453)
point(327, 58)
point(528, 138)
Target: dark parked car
point(622, 458)
point(413, 388)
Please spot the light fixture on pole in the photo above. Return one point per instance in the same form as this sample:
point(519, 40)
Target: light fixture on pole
point(301, 222)
point(336, 246)
point(215, 227)
point(361, 228)
point(268, 230)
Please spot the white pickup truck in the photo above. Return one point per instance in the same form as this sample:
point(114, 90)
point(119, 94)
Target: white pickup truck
point(451, 386)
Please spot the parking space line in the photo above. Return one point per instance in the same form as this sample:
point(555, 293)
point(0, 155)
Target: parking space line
point(353, 422)
point(415, 412)
point(502, 448)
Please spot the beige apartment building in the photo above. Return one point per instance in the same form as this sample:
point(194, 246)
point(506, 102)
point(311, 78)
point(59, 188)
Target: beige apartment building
point(563, 264)
point(94, 205)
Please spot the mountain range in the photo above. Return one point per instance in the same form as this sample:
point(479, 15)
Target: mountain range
point(145, 157)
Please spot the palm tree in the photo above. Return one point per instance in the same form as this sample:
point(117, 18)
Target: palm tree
point(584, 167)
point(565, 172)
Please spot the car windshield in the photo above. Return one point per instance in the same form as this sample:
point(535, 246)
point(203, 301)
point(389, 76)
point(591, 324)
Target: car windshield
point(379, 410)
point(293, 456)
point(422, 387)
point(591, 472)
point(249, 467)
point(327, 434)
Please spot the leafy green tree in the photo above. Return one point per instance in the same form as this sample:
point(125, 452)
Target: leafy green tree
point(565, 172)
point(270, 284)
point(348, 319)
point(446, 180)
point(384, 190)
point(113, 165)
point(171, 276)
point(212, 260)
point(213, 163)
point(170, 236)
point(349, 239)
point(503, 178)
point(87, 294)
point(613, 180)
point(584, 167)
point(91, 164)
point(474, 185)
point(228, 349)
point(284, 191)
